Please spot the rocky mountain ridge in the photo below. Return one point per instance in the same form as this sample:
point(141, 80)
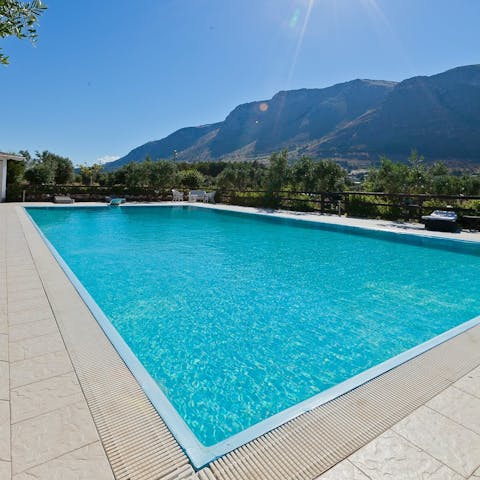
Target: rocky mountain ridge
point(438, 115)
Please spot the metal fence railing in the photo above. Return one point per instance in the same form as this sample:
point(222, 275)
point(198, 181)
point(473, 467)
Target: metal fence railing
point(358, 204)
point(355, 204)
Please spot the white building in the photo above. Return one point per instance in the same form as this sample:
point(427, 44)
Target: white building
point(4, 157)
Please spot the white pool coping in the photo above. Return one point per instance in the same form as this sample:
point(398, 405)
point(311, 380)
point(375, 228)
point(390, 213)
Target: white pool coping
point(199, 454)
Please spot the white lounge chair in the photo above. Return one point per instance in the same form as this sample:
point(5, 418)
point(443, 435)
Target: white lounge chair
point(209, 197)
point(177, 196)
point(197, 195)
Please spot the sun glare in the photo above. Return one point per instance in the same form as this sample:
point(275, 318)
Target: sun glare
point(293, 23)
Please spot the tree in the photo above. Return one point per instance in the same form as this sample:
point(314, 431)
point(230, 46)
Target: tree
point(417, 173)
point(19, 19)
point(470, 184)
point(162, 174)
point(28, 158)
point(40, 174)
point(329, 176)
point(47, 167)
point(64, 172)
point(318, 176)
point(303, 174)
point(15, 171)
point(90, 173)
point(440, 181)
point(191, 178)
point(391, 177)
point(227, 179)
point(241, 176)
point(278, 172)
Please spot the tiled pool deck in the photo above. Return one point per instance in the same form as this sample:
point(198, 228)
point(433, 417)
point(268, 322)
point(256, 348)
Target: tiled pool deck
point(61, 397)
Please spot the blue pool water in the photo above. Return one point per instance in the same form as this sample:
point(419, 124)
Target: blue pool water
point(238, 317)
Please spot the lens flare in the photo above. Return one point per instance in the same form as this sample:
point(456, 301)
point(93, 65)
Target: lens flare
point(295, 18)
point(383, 27)
point(263, 107)
point(300, 37)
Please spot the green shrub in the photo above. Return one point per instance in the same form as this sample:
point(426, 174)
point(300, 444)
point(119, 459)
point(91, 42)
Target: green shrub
point(363, 207)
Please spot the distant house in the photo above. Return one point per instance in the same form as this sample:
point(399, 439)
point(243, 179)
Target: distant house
point(4, 158)
point(358, 176)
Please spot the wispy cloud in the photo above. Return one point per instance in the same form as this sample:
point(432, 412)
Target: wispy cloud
point(106, 159)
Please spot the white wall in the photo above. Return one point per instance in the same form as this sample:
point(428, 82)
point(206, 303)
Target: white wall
point(3, 180)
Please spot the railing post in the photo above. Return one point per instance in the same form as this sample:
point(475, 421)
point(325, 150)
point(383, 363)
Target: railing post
point(322, 203)
point(420, 208)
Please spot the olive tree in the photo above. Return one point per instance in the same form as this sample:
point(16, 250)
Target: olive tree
point(90, 173)
point(19, 19)
point(49, 168)
point(278, 175)
point(191, 178)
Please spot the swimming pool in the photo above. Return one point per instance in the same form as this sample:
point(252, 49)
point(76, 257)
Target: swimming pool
point(244, 321)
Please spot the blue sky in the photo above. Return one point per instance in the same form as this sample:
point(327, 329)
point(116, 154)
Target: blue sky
point(107, 76)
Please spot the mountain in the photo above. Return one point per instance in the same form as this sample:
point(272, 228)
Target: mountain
point(438, 115)
point(358, 120)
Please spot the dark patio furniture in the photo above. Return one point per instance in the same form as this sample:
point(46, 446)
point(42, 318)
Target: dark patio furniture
point(63, 199)
point(472, 222)
point(441, 221)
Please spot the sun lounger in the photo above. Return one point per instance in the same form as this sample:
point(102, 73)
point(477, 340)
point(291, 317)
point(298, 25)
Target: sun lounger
point(116, 202)
point(63, 199)
point(441, 221)
point(197, 195)
point(209, 197)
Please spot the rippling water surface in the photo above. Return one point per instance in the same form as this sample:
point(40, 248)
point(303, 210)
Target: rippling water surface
point(238, 317)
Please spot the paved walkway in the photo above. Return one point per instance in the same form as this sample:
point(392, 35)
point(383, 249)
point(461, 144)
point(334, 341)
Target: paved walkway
point(440, 440)
point(47, 430)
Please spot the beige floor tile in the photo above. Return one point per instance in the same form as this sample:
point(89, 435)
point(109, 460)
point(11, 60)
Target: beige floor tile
point(19, 254)
point(31, 329)
point(48, 436)
point(28, 279)
point(4, 431)
point(343, 471)
point(444, 439)
point(4, 381)
point(41, 397)
point(20, 273)
point(470, 383)
point(3, 347)
point(87, 463)
point(24, 283)
point(3, 324)
point(459, 406)
point(391, 456)
point(5, 470)
point(33, 315)
point(25, 293)
point(32, 347)
point(23, 289)
point(39, 368)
